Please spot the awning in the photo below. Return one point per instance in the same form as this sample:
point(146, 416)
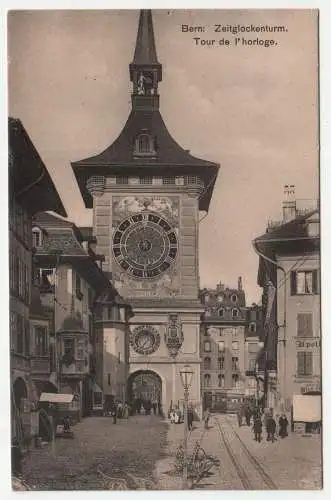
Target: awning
point(56, 398)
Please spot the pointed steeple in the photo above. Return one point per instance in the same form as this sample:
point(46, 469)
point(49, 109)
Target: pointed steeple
point(145, 70)
point(145, 52)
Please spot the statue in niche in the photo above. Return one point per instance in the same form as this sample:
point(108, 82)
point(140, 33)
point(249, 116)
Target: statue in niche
point(141, 84)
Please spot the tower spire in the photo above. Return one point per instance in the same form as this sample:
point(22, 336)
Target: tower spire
point(145, 52)
point(145, 69)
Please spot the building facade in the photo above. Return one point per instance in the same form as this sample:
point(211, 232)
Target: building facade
point(146, 193)
point(30, 190)
point(70, 280)
point(230, 336)
point(289, 270)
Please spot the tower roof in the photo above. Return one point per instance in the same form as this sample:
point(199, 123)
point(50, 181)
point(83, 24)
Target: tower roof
point(167, 157)
point(145, 51)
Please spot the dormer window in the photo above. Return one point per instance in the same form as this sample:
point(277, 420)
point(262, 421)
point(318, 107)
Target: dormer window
point(37, 237)
point(234, 298)
point(221, 313)
point(144, 145)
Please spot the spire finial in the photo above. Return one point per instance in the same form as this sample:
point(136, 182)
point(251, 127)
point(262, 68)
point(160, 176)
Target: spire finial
point(145, 70)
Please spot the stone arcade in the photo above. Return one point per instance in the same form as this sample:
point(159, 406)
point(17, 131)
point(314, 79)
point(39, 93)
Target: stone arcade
point(146, 193)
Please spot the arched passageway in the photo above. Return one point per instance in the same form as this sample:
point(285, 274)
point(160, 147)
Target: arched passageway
point(145, 392)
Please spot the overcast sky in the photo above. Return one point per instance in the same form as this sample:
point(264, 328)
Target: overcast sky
point(251, 109)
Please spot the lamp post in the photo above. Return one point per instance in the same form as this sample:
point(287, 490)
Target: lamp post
point(186, 374)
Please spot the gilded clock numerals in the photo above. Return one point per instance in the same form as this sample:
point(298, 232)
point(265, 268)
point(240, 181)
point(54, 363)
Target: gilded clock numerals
point(145, 245)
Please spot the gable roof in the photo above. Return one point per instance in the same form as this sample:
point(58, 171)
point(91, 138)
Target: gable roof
point(170, 160)
point(29, 180)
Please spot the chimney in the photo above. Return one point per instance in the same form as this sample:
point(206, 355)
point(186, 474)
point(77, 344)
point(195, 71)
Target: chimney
point(289, 203)
point(240, 284)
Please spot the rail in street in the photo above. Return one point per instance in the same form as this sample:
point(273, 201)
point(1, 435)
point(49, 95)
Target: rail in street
point(248, 469)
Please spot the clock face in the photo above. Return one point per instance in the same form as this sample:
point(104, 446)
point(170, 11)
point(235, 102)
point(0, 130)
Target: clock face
point(145, 339)
point(145, 245)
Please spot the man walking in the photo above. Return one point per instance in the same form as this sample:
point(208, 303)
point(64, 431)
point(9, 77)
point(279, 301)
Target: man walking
point(248, 415)
point(257, 428)
point(271, 429)
point(206, 417)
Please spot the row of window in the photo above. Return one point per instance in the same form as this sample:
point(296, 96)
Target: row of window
point(19, 334)
point(220, 297)
point(221, 346)
point(221, 363)
point(221, 312)
point(221, 380)
point(19, 222)
point(19, 277)
point(178, 181)
point(304, 365)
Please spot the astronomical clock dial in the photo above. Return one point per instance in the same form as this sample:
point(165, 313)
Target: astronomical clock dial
point(145, 245)
point(145, 339)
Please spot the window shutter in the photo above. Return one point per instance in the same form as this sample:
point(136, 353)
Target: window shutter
point(315, 281)
point(300, 363)
point(309, 363)
point(293, 282)
point(305, 325)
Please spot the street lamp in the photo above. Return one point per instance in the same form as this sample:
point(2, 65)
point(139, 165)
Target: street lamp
point(186, 374)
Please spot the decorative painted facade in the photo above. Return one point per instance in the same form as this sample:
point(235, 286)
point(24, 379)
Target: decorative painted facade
point(146, 193)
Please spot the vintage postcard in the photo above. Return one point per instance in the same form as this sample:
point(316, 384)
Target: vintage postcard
point(164, 249)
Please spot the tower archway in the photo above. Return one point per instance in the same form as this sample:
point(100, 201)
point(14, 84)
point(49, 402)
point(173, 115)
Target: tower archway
point(145, 392)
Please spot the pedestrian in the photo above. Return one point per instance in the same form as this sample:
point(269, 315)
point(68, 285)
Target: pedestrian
point(126, 411)
point(119, 410)
point(248, 416)
point(190, 418)
point(114, 413)
point(16, 458)
point(257, 428)
point(271, 429)
point(66, 424)
point(240, 415)
point(283, 425)
point(206, 417)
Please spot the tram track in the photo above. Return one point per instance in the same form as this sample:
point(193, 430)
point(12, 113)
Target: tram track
point(250, 472)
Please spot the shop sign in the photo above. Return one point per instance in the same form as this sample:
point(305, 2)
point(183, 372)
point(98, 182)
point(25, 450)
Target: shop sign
point(312, 387)
point(308, 345)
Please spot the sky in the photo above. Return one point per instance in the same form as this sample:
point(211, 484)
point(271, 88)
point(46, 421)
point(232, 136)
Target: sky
point(252, 109)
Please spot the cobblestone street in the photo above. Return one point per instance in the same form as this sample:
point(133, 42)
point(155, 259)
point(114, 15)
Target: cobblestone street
point(145, 447)
point(99, 447)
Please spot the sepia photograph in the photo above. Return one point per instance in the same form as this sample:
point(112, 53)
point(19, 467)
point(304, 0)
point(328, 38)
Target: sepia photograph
point(164, 249)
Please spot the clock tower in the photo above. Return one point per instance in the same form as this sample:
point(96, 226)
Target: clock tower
point(146, 192)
